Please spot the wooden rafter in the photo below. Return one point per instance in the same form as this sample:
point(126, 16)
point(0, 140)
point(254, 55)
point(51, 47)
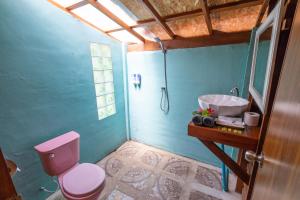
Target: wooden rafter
point(158, 18)
point(262, 12)
point(198, 12)
point(117, 20)
point(207, 16)
point(235, 5)
point(218, 38)
point(78, 5)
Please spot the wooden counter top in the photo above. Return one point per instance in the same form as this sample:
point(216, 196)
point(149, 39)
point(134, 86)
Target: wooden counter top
point(248, 139)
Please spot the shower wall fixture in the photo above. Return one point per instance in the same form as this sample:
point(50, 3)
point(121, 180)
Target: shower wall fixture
point(164, 102)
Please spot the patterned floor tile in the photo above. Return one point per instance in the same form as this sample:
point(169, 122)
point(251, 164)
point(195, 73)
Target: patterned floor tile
point(117, 195)
point(139, 172)
point(196, 195)
point(113, 166)
point(138, 177)
point(151, 158)
point(208, 177)
point(128, 152)
point(165, 188)
point(179, 168)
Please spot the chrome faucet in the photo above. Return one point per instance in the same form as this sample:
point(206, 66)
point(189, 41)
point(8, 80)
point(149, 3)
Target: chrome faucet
point(235, 91)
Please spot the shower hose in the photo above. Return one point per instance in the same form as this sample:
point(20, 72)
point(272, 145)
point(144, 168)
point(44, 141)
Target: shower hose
point(164, 101)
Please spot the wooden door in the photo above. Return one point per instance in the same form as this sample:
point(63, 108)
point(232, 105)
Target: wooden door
point(279, 178)
point(7, 188)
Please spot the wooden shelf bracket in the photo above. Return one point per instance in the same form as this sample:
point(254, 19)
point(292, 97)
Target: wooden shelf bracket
point(238, 170)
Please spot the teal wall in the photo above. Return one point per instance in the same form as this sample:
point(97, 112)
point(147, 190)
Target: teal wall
point(46, 88)
point(191, 73)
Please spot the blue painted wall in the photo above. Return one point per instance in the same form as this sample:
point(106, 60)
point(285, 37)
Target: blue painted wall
point(191, 73)
point(46, 88)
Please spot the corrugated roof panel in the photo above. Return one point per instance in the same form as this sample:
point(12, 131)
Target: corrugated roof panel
point(125, 36)
point(95, 17)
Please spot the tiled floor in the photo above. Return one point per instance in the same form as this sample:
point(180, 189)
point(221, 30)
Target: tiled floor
point(140, 172)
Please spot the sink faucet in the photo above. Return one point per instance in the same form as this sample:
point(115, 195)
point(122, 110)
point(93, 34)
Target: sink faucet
point(235, 91)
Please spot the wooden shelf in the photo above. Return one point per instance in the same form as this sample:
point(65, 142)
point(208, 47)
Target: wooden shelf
point(248, 139)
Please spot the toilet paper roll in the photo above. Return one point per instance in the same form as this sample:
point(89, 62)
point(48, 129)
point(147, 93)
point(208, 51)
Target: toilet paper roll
point(251, 118)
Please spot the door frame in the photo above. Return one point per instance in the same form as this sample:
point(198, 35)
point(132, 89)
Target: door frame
point(285, 27)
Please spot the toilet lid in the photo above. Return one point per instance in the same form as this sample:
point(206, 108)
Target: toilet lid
point(83, 179)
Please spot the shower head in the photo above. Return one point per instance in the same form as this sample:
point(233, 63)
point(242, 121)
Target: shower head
point(157, 39)
point(161, 44)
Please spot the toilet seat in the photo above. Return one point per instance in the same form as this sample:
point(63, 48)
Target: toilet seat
point(83, 180)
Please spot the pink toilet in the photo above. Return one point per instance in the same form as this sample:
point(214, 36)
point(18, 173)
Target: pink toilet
point(60, 157)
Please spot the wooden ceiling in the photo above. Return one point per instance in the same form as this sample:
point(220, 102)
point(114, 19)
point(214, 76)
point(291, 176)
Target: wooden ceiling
point(184, 23)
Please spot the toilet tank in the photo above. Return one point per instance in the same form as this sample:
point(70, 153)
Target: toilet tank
point(59, 154)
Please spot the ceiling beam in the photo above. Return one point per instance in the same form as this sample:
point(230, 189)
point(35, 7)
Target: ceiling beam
point(144, 23)
point(218, 38)
point(184, 15)
point(235, 5)
point(158, 18)
point(117, 20)
point(262, 12)
point(198, 12)
point(77, 5)
point(207, 17)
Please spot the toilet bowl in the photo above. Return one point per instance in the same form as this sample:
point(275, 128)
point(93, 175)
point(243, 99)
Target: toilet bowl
point(60, 157)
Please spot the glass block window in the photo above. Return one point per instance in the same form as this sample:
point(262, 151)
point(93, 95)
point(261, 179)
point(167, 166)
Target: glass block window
point(103, 79)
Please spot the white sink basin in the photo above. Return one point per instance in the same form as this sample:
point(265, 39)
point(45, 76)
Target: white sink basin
point(223, 104)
